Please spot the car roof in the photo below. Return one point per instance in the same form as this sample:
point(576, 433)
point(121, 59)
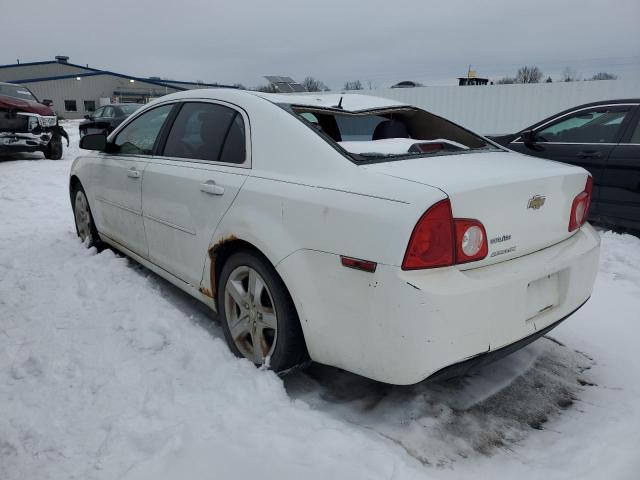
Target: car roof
point(350, 102)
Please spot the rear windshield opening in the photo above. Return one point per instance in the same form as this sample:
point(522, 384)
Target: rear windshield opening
point(389, 134)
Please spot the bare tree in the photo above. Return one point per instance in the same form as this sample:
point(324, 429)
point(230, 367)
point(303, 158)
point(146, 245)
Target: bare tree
point(505, 81)
point(569, 75)
point(314, 85)
point(548, 80)
point(528, 74)
point(353, 85)
point(604, 76)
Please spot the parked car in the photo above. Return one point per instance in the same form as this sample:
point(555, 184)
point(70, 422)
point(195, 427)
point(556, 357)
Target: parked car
point(604, 138)
point(105, 119)
point(356, 231)
point(27, 125)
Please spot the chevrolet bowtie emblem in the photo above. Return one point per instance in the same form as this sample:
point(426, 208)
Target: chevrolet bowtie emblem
point(536, 202)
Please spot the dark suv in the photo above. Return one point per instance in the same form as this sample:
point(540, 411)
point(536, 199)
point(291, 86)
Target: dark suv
point(602, 137)
point(26, 125)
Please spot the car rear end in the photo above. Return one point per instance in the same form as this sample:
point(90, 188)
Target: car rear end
point(500, 255)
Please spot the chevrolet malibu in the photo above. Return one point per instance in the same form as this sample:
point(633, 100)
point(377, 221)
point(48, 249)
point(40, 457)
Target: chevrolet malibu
point(350, 230)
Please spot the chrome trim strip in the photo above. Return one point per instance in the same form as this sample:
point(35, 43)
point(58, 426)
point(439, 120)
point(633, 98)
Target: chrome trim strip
point(169, 224)
point(118, 205)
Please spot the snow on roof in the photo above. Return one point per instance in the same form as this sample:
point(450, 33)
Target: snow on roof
point(350, 102)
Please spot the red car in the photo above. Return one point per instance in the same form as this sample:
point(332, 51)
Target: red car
point(27, 125)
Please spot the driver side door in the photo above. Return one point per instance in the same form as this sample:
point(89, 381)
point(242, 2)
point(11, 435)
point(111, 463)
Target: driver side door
point(117, 180)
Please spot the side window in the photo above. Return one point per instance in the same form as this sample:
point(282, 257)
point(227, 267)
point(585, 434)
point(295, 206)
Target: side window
point(109, 112)
point(635, 137)
point(200, 130)
point(98, 112)
point(234, 147)
point(139, 136)
point(599, 125)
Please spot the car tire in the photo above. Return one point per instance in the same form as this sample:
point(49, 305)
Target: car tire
point(85, 226)
point(260, 323)
point(53, 151)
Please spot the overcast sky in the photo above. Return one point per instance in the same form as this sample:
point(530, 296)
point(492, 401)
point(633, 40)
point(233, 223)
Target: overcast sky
point(334, 40)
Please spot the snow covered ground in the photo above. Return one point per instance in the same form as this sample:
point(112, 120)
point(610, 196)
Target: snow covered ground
point(108, 372)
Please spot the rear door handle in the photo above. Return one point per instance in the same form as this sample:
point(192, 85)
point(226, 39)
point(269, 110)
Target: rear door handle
point(133, 173)
point(590, 154)
point(211, 188)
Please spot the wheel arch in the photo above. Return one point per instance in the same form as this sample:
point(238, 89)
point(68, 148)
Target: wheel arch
point(74, 182)
point(220, 252)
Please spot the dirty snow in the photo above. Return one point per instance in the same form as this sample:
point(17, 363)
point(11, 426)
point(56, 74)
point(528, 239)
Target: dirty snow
point(107, 371)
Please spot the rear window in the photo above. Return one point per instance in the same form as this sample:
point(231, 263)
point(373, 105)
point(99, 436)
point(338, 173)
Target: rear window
point(390, 134)
point(129, 109)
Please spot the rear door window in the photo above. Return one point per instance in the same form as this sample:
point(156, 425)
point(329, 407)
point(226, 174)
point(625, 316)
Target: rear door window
point(207, 131)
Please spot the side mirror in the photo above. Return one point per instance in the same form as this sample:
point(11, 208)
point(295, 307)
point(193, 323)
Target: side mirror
point(528, 137)
point(97, 141)
point(88, 117)
point(47, 102)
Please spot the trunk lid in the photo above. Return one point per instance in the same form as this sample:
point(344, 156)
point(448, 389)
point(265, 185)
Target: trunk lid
point(523, 202)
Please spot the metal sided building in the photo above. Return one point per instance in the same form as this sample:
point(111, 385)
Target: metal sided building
point(78, 90)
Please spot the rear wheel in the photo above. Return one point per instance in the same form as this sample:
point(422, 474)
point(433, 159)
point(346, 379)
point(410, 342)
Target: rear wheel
point(85, 226)
point(53, 151)
point(258, 317)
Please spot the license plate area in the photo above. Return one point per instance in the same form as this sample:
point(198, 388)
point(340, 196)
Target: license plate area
point(542, 295)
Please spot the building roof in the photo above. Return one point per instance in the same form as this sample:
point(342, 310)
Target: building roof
point(94, 71)
point(47, 62)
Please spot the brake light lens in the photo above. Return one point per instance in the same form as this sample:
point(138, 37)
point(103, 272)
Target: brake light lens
point(439, 240)
point(431, 242)
point(471, 240)
point(580, 206)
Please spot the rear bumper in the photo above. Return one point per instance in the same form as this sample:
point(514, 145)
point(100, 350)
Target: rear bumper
point(402, 327)
point(473, 364)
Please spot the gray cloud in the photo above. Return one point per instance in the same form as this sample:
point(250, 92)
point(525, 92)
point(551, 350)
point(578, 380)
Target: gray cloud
point(379, 41)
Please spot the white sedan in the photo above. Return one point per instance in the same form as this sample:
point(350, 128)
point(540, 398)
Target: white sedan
point(351, 230)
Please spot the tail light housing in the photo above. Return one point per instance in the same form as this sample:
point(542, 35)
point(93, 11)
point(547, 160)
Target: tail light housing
point(439, 240)
point(431, 242)
point(471, 240)
point(580, 206)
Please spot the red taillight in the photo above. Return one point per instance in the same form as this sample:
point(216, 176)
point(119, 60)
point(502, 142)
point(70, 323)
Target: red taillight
point(431, 243)
point(439, 240)
point(471, 240)
point(580, 206)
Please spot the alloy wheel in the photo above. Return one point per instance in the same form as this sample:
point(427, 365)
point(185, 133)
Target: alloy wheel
point(82, 215)
point(250, 314)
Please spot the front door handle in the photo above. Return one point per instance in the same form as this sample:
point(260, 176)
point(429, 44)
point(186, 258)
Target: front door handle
point(211, 188)
point(133, 173)
point(590, 154)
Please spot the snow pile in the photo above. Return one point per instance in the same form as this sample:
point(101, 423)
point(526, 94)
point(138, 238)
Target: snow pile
point(107, 371)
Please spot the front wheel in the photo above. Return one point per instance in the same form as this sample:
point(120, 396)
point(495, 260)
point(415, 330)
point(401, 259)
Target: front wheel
point(258, 317)
point(53, 151)
point(85, 226)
